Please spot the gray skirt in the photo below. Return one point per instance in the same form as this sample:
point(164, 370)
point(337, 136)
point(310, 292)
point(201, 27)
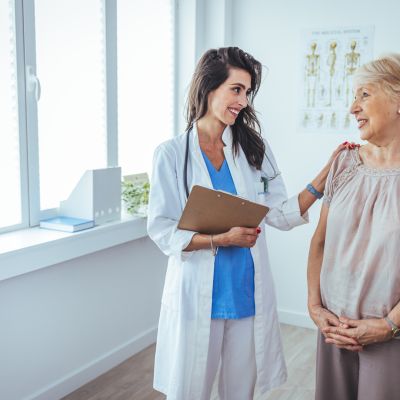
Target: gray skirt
point(372, 374)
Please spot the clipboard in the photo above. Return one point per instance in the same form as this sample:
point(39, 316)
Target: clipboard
point(212, 211)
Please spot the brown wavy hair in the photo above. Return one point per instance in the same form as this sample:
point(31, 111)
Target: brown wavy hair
point(211, 71)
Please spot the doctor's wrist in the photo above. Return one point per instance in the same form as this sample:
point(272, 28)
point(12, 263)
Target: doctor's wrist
point(220, 240)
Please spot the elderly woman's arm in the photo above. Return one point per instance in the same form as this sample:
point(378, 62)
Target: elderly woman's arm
point(318, 313)
point(321, 316)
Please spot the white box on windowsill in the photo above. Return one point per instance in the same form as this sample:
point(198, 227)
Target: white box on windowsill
point(97, 196)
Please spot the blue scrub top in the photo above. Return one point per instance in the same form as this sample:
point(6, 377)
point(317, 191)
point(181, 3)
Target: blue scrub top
point(233, 287)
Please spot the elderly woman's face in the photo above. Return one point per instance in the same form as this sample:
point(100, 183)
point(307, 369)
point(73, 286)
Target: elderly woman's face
point(376, 112)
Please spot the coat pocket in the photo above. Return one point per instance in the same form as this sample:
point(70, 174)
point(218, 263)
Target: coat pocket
point(170, 296)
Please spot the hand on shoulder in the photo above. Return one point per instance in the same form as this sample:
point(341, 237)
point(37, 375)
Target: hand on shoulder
point(340, 148)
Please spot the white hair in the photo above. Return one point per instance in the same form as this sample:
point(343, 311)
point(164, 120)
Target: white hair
point(383, 72)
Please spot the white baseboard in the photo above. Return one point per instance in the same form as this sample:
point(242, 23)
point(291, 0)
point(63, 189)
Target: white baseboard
point(295, 318)
point(95, 368)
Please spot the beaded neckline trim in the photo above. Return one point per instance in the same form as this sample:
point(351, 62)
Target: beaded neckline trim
point(370, 170)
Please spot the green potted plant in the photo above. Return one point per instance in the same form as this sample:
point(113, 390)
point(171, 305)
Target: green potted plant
point(135, 196)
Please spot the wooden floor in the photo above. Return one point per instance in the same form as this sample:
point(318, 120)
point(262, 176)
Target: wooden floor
point(132, 380)
point(300, 347)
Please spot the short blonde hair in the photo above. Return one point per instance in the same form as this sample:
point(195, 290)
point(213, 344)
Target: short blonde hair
point(383, 72)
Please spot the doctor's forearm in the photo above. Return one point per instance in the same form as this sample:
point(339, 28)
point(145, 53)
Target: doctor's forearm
point(200, 242)
point(307, 199)
point(236, 236)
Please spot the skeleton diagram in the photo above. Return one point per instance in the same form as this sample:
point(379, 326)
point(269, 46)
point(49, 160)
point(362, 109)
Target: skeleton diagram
point(312, 74)
point(331, 63)
point(351, 63)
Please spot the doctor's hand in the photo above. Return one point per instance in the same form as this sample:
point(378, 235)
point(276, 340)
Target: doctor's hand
point(238, 236)
point(319, 181)
point(340, 148)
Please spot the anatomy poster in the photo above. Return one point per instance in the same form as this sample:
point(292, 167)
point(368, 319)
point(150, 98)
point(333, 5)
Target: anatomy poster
point(329, 58)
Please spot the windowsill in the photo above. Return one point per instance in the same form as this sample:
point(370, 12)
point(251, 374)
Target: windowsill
point(28, 250)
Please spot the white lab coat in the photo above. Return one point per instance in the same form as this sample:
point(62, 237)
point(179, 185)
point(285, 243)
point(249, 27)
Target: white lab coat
point(184, 325)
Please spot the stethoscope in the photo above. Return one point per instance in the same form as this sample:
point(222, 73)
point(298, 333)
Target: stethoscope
point(265, 180)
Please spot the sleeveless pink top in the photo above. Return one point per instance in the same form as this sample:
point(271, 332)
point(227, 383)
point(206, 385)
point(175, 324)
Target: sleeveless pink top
point(360, 274)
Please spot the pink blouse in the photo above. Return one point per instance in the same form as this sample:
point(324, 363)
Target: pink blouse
point(360, 274)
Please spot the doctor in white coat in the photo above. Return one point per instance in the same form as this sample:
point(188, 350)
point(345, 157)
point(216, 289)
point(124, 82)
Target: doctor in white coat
point(218, 305)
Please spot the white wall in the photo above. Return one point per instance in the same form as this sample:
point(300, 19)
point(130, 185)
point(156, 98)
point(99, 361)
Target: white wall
point(270, 30)
point(64, 325)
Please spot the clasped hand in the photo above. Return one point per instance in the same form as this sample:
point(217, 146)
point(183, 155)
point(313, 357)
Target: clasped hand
point(349, 334)
point(241, 237)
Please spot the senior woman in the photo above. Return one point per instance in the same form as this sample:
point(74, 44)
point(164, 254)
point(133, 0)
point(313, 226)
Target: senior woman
point(354, 260)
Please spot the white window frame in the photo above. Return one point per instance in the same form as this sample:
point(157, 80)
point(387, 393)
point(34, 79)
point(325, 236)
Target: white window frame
point(111, 82)
point(22, 123)
point(31, 111)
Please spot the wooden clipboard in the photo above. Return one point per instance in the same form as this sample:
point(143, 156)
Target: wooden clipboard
point(212, 211)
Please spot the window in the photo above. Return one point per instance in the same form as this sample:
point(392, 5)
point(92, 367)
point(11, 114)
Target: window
point(70, 64)
point(60, 87)
point(145, 81)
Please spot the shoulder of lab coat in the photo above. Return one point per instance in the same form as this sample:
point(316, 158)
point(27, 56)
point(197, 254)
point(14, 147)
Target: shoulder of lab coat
point(165, 204)
point(284, 212)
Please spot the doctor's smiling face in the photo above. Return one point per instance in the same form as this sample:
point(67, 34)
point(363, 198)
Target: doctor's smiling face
point(223, 88)
point(230, 98)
